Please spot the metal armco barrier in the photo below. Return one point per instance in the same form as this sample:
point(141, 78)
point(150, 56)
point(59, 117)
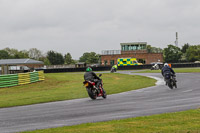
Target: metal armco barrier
point(107, 68)
point(21, 78)
point(182, 65)
point(59, 70)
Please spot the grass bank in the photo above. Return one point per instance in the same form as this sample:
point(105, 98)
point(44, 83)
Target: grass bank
point(177, 70)
point(179, 122)
point(66, 86)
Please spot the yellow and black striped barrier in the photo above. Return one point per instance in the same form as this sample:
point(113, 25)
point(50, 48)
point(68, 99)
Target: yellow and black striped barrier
point(21, 78)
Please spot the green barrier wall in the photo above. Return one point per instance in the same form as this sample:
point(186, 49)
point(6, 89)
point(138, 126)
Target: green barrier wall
point(21, 78)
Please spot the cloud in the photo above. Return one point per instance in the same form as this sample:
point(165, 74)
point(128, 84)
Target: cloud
point(80, 26)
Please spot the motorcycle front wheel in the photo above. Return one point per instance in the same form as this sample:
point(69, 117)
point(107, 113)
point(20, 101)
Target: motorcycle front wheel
point(104, 94)
point(175, 85)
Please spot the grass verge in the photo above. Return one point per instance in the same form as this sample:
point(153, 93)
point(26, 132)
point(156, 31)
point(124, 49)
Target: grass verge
point(179, 122)
point(66, 86)
point(177, 70)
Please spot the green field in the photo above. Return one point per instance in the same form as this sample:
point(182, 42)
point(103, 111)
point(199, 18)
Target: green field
point(66, 86)
point(179, 122)
point(177, 70)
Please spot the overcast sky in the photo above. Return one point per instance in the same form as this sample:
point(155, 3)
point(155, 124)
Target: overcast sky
point(79, 26)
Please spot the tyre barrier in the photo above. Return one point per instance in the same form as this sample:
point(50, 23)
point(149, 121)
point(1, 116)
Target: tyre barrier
point(21, 78)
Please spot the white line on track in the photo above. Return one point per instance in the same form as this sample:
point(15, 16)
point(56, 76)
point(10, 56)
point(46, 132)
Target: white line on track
point(188, 91)
point(160, 81)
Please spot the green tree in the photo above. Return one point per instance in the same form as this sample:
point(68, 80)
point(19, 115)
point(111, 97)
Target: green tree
point(185, 47)
point(172, 54)
point(151, 49)
point(193, 53)
point(89, 58)
point(55, 58)
point(84, 57)
point(34, 53)
point(68, 59)
point(45, 60)
point(13, 53)
point(21, 54)
point(183, 50)
point(4, 54)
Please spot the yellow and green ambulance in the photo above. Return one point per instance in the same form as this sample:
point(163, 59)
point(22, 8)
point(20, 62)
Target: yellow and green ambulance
point(127, 62)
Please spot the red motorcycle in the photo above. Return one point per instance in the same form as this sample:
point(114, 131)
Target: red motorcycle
point(93, 91)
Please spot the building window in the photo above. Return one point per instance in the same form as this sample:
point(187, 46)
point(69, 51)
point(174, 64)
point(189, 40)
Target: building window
point(105, 62)
point(112, 62)
point(142, 61)
point(133, 47)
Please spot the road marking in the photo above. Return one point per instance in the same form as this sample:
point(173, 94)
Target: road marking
point(160, 81)
point(188, 91)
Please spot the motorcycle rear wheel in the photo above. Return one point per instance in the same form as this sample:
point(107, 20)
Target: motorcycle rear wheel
point(170, 84)
point(92, 93)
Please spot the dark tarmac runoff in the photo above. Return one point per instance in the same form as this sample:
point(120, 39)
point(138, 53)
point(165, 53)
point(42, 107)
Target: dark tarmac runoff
point(147, 101)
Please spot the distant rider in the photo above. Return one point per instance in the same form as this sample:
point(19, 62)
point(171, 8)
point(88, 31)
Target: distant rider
point(168, 70)
point(114, 68)
point(91, 76)
point(155, 66)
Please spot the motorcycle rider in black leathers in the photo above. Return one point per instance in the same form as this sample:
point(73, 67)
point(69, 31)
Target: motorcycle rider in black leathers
point(166, 69)
point(91, 76)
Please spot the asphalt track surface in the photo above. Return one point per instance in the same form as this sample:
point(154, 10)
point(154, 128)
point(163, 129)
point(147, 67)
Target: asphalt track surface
point(148, 101)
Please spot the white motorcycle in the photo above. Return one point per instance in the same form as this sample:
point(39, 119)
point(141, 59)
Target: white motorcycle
point(155, 67)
